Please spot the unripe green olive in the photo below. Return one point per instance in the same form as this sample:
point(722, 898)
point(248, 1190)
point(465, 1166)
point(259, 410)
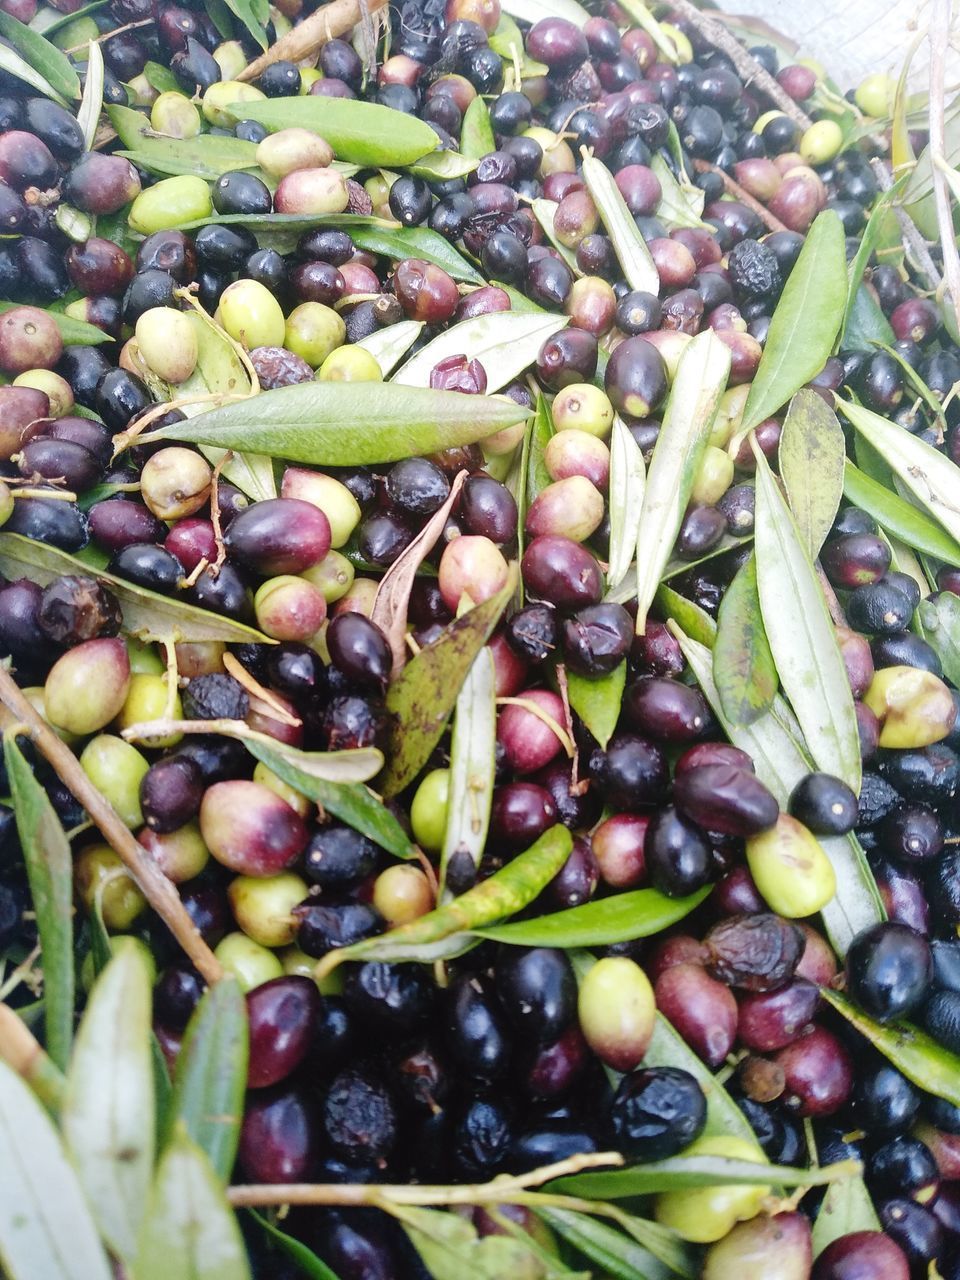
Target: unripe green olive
point(305, 191)
point(378, 189)
point(503, 441)
point(117, 942)
point(141, 92)
point(175, 482)
point(616, 1009)
point(231, 60)
point(250, 964)
point(218, 99)
point(34, 695)
point(297, 963)
point(200, 658)
point(821, 142)
point(350, 363)
point(570, 507)
point(729, 415)
point(704, 1215)
point(295, 799)
point(714, 476)
point(170, 203)
point(915, 708)
point(168, 342)
point(120, 898)
point(144, 658)
point(402, 893)
point(6, 504)
point(116, 768)
point(57, 390)
point(793, 874)
point(308, 78)
point(291, 149)
point(584, 407)
point(147, 699)
point(326, 492)
point(333, 576)
point(313, 331)
point(359, 596)
point(87, 687)
point(765, 1247)
point(180, 854)
point(251, 314)
point(577, 453)
point(76, 34)
point(289, 608)
point(262, 907)
point(874, 94)
point(557, 155)
point(175, 115)
point(428, 813)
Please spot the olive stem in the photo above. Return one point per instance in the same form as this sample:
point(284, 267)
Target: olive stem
point(833, 604)
point(108, 35)
point(735, 189)
point(747, 67)
point(156, 888)
point(328, 22)
point(20, 1049)
point(939, 37)
point(913, 241)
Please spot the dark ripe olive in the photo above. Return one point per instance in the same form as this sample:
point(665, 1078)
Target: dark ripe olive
point(417, 487)
point(562, 572)
point(174, 26)
point(576, 881)
point(20, 630)
point(59, 460)
point(755, 952)
point(770, 1020)
point(551, 1140)
point(98, 267)
point(281, 1015)
point(58, 523)
point(930, 775)
point(657, 652)
point(904, 649)
point(548, 282)
point(148, 566)
point(903, 1166)
point(481, 1136)
point(635, 378)
point(43, 274)
point(940, 1016)
point(171, 252)
point(824, 804)
point(677, 853)
point(504, 257)
point(487, 508)
point(818, 1073)
point(656, 1113)
point(280, 535)
point(26, 161)
point(382, 537)
point(281, 79)
point(631, 773)
point(268, 268)
point(736, 892)
point(389, 998)
point(326, 926)
point(903, 894)
point(125, 55)
point(337, 857)
point(116, 523)
point(533, 632)
point(215, 696)
point(358, 1115)
point(278, 1137)
point(121, 397)
point(278, 367)
point(74, 609)
point(410, 200)
point(521, 813)
point(350, 722)
point(881, 383)
point(946, 964)
point(701, 1009)
point(915, 1229)
point(638, 312)
point(862, 1255)
point(170, 794)
point(912, 833)
point(101, 184)
point(725, 798)
point(317, 282)
point(482, 302)
point(359, 649)
point(149, 288)
point(538, 992)
point(14, 216)
point(176, 994)
point(475, 1032)
point(597, 639)
point(884, 1101)
point(889, 970)
point(425, 291)
point(195, 69)
point(224, 248)
point(855, 559)
point(224, 592)
point(596, 257)
point(666, 709)
point(326, 245)
point(569, 356)
point(701, 530)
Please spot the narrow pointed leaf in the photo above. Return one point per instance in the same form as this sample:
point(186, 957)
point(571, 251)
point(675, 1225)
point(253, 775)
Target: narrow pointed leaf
point(597, 699)
point(628, 476)
point(802, 635)
point(305, 423)
point(622, 918)
point(206, 156)
point(389, 345)
point(46, 852)
point(211, 1076)
point(629, 245)
point(545, 213)
point(699, 382)
point(189, 1230)
point(476, 132)
point(543, 430)
point(108, 1106)
point(846, 1208)
point(13, 64)
point(805, 322)
point(682, 1172)
point(422, 698)
point(246, 12)
point(899, 517)
point(440, 166)
point(362, 132)
point(941, 626)
point(46, 1230)
point(88, 115)
point(451, 1248)
point(743, 665)
point(618, 1255)
point(504, 342)
point(51, 63)
point(398, 243)
point(307, 1261)
point(680, 206)
point(811, 455)
point(472, 766)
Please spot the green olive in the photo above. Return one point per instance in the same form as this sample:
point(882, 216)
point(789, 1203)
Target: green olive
point(326, 492)
point(57, 390)
point(147, 700)
point(144, 657)
point(313, 331)
point(168, 342)
point(874, 94)
point(170, 203)
point(765, 1247)
point(915, 708)
point(616, 1009)
point(793, 874)
point(251, 314)
point(262, 906)
point(175, 482)
point(703, 1215)
point(714, 476)
point(428, 812)
point(250, 964)
point(98, 868)
point(557, 155)
point(291, 149)
point(350, 363)
point(295, 799)
point(231, 60)
point(297, 963)
point(200, 658)
point(88, 685)
point(175, 115)
point(729, 415)
point(821, 142)
point(402, 893)
point(116, 769)
point(218, 98)
point(585, 408)
point(180, 854)
point(333, 576)
point(141, 92)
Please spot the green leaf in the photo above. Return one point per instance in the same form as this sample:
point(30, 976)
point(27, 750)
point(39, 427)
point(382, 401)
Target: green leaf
point(846, 1208)
point(941, 626)
point(362, 132)
point(680, 206)
point(46, 1231)
point(640, 913)
point(926, 473)
point(282, 231)
point(51, 64)
point(504, 342)
point(629, 245)
point(189, 1230)
point(91, 105)
point(161, 78)
point(46, 852)
point(451, 1248)
point(618, 1254)
point(145, 613)
point(421, 699)
point(519, 302)
point(811, 455)
point(441, 166)
point(108, 1106)
point(545, 213)
point(211, 1075)
point(398, 243)
point(805, 321)
point(682, 1172)
point(390, 344)
point(866, 324)
point(868, 242)
point(697, 387)
point(743, 665)
point(898, 517)
point(538, 477)
point(693, 620)
point(628, 477)
point(248, 14)
point(597, 699)
point(304, 423)
point(476, 132)
point(802, 636)
point(73, 332)
point(306, 1260)
point(473, 766)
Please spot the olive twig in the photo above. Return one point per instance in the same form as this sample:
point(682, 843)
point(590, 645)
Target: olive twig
point(913, 241)
point(328, 22)
point(156, 888)
point(735, 189)
point(939, 36)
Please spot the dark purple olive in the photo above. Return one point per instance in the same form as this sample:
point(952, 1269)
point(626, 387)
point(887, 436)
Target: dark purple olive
point(278, 1137)
point(281, 1015)
point(727, 799)
point(666, 709)
point(636, 378)
point(359, 649)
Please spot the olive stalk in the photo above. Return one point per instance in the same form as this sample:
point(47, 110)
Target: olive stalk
point(734, 189)
point(913, 241)
point(329, 21)
point(156, 888)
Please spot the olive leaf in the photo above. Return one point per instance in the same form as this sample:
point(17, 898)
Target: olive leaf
point(108, 1104)
point(866, 324)
point(451, 1248)
point(476, 131)
point(811, 456)
point(75, 333)
point(46, 1229)
point(545, 212)
point(504, 342)
point(691, 619)
point(307, 1261)
point(641, 913)
point(898, 517)
point(91, 105)
point(940, 617)
point(253, 16)
point(629, 245)
point(619, 1256)
point(743, 665)
point(211, 1079)
point(145, 613)
point(398, 243)
point(390, 344)
point(46, 852)
point(597, 699)
point(927, 474)
point(421, 699)
point(628, 476)
point(802, 636)
point(161, 78)
point(472, 766)
point(868, 242)
point(846, 1208)
point(208, 155)
point(680, 206)
point(538, 477)
point(51, 66)
point(682, 1172)
point(805, 322)
point(305, 422)
point(697, 387)
point(364, 133)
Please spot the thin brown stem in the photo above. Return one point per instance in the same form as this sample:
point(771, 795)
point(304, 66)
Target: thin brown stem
point(913, 241)
point(156, 888)
point(735, 189)
point(833, 604)
point(328, 22)
point(21, 1050)
point(939, 37)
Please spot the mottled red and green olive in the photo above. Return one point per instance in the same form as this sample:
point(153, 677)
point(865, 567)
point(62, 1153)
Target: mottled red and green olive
point(317, 190)
point(616, 1011)
point(249, 829)
point(87, 687)
point(571, 507)
point(29, 339)
point(175, 482)
point(291, 149)
point(474, 566)
point(289, 608)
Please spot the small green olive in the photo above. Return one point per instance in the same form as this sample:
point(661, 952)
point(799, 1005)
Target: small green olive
point(821, 142)
point(378, 189)
point(6, 504)
point(87, 687)
point(714, 476)
point(251, 314)
point(291, 149)
point(120, 898)
point(308, 78)
point(704, 1215)
point(175, 115)
point(218, 99)
point(616, 1009)
point(250, 964)
point(874, 94)
point(116, 768)
point(180, 854)
point(147, 700)
point(333, 576)
point(295, 799)
point(915, 708)
point(402, 893)
point(170, 203)
point(313, 331)
point(793, 874)
point(144, 658)
point(350, 363)
point(34, 695)
point(583, 407)
point(326, 492)
point(141, 92)
point(175, 482)
point(57, 390)
point(168, 342)
point(262, 907)
point(428, 812)
point(231, 60)
point(298, 964)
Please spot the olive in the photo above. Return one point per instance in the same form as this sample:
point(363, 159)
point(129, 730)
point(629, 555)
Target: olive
point(249, 829)
point(889, 969)
point(862, 1253)
point(678, 855)
point(824, 804)
point(538, 992)
point(779, 1244)
point(790, 868)
point(389, 997)
point(616, 1011)
point(884, 1101)
point(657, 1112)
point(706, 1214)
